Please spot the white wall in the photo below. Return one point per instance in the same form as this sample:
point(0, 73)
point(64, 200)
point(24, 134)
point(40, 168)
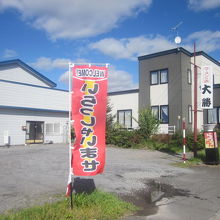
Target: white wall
point(32, 97)
point(17, 74)
point(123, 102)
point(12, 120)
point(159, 94)
point(158, 97)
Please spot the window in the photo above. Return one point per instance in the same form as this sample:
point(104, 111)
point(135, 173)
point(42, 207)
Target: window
point(190, 114)
point(164, 114)
point(124, 118)
point(163, 76)
point(52, 128)
point(212, 116)
point(159, 76)
point(189, 76)
point(49, 128)
point(154, 78)
point(155, 111)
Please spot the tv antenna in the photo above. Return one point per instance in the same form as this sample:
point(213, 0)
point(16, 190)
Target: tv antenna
point(175, 29)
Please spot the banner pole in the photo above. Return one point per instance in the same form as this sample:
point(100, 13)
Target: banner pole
point(69, 139)
point(71, 195)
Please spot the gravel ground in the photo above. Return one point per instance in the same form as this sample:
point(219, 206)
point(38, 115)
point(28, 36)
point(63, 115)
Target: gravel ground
point(34, 174)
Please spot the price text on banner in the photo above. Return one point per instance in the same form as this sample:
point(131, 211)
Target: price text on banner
point(89, 100)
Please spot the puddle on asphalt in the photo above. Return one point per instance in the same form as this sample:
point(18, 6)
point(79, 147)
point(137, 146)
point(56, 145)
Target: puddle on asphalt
point(155, 195)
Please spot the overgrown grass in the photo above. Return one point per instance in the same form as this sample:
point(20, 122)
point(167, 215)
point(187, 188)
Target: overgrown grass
point(199, 160)
point(95, 206)
point(168, 147)
point(189, 163)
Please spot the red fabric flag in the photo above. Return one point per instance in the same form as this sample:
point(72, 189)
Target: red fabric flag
point(89, 100)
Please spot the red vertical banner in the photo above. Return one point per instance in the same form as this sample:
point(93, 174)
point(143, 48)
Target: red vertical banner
point(89, 100)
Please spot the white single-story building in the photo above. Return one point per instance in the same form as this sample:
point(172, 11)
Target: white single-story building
point(32, 110)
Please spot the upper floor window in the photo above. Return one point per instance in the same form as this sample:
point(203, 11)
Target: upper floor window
point(163, 76)
point(189, 76)
point(154, 78)
point(190, 114)
point(159, 77)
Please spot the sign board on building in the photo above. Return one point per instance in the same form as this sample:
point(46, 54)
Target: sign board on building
point(206, 87)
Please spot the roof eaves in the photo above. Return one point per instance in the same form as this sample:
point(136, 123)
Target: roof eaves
point(30, 70)
point(206, 56)
point(124, 92)
point(166, 52)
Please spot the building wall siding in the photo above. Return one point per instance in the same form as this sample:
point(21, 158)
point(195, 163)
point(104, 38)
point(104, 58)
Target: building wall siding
point(32, 97)
point(123, 102)
point(17, 74)
point(12, 121)
point(172, 63)
point(186, 89)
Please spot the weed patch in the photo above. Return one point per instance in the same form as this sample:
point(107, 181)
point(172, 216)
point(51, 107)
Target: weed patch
point(97, 205)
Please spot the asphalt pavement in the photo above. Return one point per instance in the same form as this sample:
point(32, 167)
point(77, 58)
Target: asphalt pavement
point(37, 173)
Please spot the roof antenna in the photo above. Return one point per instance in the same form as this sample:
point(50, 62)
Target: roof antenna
point(177, 39)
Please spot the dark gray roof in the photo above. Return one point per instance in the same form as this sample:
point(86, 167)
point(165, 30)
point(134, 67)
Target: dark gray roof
point(177, 50)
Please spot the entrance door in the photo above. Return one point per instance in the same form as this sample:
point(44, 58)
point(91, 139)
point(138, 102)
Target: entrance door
point(35, 132)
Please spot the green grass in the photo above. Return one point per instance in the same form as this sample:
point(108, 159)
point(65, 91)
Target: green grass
point(95, 206)
point(199, 160)
point(189, 163)
point(172, 148)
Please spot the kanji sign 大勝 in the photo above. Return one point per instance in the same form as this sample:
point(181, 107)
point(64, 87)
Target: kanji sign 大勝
point(206, 87)
point(89, 100)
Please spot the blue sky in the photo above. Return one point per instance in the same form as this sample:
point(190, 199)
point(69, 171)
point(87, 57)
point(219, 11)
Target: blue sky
point(47, 34)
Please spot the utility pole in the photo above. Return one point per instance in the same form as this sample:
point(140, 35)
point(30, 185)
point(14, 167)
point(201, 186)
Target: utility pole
point(195, 102)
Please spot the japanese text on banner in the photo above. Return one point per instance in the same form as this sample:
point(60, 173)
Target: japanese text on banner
point(89, 114)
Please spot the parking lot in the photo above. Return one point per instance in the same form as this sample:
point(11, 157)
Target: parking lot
point(35, 174)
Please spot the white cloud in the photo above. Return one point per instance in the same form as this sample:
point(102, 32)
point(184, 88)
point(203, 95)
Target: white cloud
point(8, 53)
point(64, 78)
point(118, 80)
point(199, 5)
point(46, 63)
point(208, 41)
point(75, 18)
point(131, 48)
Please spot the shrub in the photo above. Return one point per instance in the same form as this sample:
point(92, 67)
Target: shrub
point(124, 138)
point(190, 141)
point(148, 124)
